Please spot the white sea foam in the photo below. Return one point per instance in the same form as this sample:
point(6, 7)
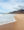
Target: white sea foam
point(7, 18)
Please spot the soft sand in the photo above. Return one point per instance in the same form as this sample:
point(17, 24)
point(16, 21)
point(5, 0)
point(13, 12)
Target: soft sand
point(19, 21)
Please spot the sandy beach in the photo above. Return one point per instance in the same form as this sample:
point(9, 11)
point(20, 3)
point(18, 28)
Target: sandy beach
point(18, 25)
point(19, 21)
point(10, 26)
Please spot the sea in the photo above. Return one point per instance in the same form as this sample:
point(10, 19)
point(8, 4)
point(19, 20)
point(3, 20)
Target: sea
point(7, 18)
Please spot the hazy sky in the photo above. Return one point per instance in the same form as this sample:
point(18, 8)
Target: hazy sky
point(10, 5)
point(19, 3)
point(7, 6)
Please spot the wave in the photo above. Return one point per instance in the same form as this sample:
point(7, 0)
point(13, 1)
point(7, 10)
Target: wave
point(7, 19)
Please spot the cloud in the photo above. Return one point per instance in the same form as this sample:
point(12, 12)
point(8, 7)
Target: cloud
point(8, 6)
point(4, 11)
point(3, 0)
point(19, 3)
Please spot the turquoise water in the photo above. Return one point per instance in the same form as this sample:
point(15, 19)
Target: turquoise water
point(5, 18)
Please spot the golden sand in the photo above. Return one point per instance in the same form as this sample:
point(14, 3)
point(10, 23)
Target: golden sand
point(19, 21)
point(18, 25)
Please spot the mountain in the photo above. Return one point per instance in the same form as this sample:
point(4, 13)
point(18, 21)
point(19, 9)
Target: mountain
point(20, 11)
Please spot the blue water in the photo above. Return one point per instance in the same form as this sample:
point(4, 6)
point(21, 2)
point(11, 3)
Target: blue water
point(6, 18)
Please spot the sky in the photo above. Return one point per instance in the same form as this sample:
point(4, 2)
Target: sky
point(19, 4)
point(7, 6)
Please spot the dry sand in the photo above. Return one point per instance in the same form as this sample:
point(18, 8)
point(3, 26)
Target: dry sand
point(19, 21)
point(18, 25)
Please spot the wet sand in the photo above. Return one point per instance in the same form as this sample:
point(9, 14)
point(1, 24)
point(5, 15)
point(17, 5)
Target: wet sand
point(10, 26)
point(18, 25)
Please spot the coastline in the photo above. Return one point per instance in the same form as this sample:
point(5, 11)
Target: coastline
point(9, 25)
point(7, 22)
point(17, 25)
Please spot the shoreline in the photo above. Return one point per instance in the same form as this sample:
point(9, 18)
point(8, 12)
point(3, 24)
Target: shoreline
point(10, 26)
point(8, 22)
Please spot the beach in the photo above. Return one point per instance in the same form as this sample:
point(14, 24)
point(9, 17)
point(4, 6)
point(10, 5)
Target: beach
point(7, 22)
point(10, 26)
point(19, 21)
point(17, 25)
point(6, 18)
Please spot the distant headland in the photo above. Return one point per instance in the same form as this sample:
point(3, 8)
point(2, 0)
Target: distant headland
point(20, 11)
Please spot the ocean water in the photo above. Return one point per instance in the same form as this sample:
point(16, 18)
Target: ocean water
point(6, 18)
